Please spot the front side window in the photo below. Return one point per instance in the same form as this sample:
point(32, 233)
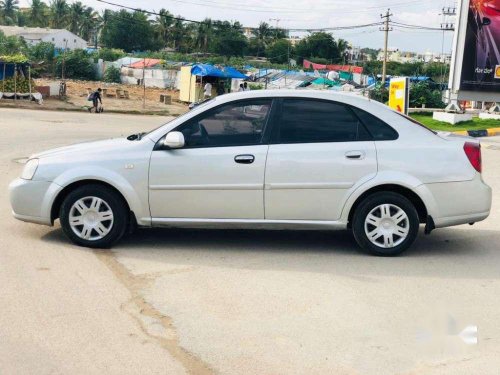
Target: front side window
point(310, 121)
point(234, 124)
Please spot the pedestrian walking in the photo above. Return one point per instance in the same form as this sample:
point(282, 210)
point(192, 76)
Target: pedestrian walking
point(96, 99)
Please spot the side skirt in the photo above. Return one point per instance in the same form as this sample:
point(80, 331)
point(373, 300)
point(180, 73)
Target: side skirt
point(248, 224)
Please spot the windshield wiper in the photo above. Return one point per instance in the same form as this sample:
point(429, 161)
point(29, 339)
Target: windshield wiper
point(136, 137)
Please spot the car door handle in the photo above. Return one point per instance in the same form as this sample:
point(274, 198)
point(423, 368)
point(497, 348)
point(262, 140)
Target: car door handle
point(244, 159)
point(356, 155)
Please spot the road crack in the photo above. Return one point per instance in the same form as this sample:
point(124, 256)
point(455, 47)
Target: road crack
point(142, 311)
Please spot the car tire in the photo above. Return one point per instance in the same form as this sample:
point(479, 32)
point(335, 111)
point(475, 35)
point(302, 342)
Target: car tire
point(385, 224)
point(94, 216)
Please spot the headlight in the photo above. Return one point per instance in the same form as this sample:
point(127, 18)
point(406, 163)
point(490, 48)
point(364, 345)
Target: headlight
point(29, 169)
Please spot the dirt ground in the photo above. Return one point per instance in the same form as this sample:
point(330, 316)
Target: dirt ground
point(77, 91)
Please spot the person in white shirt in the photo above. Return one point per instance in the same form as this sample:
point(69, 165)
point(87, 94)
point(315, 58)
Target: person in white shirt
point(208, 90)
point(245, 87)
point(241, 88)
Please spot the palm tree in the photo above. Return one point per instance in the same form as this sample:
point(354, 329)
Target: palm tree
point(163, 26)
point(59, 11)
point(178, 30)
point(90, 24)
point(203, 34)
point(8, 10)
point(264, 35)
point(76, 14)
point(37, 15)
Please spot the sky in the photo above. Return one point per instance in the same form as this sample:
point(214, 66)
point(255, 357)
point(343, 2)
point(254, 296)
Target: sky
point(318, 14)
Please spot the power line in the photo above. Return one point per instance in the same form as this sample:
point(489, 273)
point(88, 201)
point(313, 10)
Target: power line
point(254, 28)
point(270, 9)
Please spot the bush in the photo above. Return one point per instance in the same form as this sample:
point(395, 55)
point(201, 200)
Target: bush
point(380, 94)
point(112, 75)
point(256, 86)
point(421, 94)
point(110, 54)
point(78, 65)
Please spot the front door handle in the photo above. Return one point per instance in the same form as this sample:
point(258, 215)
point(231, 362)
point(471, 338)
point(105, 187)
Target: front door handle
point(244, 159)
point(355, 155)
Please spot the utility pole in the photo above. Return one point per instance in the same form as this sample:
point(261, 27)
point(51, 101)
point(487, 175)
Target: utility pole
point(386, 30)
point(447, 25)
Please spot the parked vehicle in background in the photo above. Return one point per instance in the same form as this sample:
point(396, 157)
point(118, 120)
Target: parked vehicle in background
point(268, 160)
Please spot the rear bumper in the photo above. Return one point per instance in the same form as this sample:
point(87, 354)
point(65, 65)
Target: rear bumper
point(32, 201)
point(456, 203)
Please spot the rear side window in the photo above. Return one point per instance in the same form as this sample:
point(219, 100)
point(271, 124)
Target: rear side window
point(313, 121)
point(378, 129)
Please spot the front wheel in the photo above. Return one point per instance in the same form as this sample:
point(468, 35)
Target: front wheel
point(94, 216)
point(385, 224)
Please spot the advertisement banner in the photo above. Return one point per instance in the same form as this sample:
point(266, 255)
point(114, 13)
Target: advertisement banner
point(399, 89)
point(481, 56)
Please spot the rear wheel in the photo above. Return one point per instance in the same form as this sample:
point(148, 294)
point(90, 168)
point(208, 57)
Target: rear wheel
point(94, 216)
point(385, 224)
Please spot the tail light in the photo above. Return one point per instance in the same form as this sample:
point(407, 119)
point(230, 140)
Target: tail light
point(473, 152)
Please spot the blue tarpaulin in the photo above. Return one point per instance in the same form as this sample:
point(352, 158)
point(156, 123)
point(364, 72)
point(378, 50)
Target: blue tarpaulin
point(206, 70)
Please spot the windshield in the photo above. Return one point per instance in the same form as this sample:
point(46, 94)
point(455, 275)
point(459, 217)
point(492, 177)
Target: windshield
point(197, 105)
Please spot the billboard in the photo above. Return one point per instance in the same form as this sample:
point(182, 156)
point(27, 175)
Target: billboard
point(481, 59)
point(399, 94)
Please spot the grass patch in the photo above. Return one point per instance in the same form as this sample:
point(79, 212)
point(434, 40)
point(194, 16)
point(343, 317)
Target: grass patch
point(475, 124)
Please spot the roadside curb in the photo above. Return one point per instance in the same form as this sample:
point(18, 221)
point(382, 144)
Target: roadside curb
point(84, 110)
point(479, 133)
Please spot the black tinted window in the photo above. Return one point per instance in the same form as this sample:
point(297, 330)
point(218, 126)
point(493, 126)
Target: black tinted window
point(306, 121)
point(234, 124)
point(378, 129)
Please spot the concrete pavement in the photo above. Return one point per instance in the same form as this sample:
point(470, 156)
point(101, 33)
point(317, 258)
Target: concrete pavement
point(237, 302)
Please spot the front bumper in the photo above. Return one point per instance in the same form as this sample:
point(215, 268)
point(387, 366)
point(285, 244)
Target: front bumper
point(32, 200)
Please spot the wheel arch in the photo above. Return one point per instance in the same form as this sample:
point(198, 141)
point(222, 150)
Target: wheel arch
point(56, 205)
point(407, 192)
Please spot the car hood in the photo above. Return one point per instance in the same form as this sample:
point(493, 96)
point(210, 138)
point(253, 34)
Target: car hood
point(86, 147)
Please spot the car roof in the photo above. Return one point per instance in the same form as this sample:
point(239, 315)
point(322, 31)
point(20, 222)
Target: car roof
point(314, 94)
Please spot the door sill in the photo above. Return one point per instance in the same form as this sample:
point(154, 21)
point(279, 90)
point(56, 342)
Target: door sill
point(247, 224)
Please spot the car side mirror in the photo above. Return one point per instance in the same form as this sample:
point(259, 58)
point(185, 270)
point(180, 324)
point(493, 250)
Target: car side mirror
point(174, 140)
point(486, 21)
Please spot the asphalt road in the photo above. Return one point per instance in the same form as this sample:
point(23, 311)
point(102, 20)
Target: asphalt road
point(237, 302)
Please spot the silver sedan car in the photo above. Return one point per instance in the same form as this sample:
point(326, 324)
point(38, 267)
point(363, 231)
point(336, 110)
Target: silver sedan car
point(263, 160)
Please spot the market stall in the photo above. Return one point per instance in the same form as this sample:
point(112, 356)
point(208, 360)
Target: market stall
point(195, 77)
point(15, 79)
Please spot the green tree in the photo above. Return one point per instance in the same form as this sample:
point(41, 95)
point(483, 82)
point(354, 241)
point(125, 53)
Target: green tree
point(8, 11)
point(77, 65)
point(204, 33)
point(279, 51)
point(59, 12)
point(128, 31)
point(163, 27)
point(228, 39)
point(263, 36)
point(37, 15)
point(76, 13)
point(321, 45)
point(112, 75)
point(89, 25)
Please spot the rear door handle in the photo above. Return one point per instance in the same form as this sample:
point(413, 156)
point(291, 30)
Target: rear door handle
point(244, 159)
point(355, 155)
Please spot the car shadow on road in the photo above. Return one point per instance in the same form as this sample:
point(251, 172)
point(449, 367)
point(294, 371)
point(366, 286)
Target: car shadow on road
point(446, 253)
